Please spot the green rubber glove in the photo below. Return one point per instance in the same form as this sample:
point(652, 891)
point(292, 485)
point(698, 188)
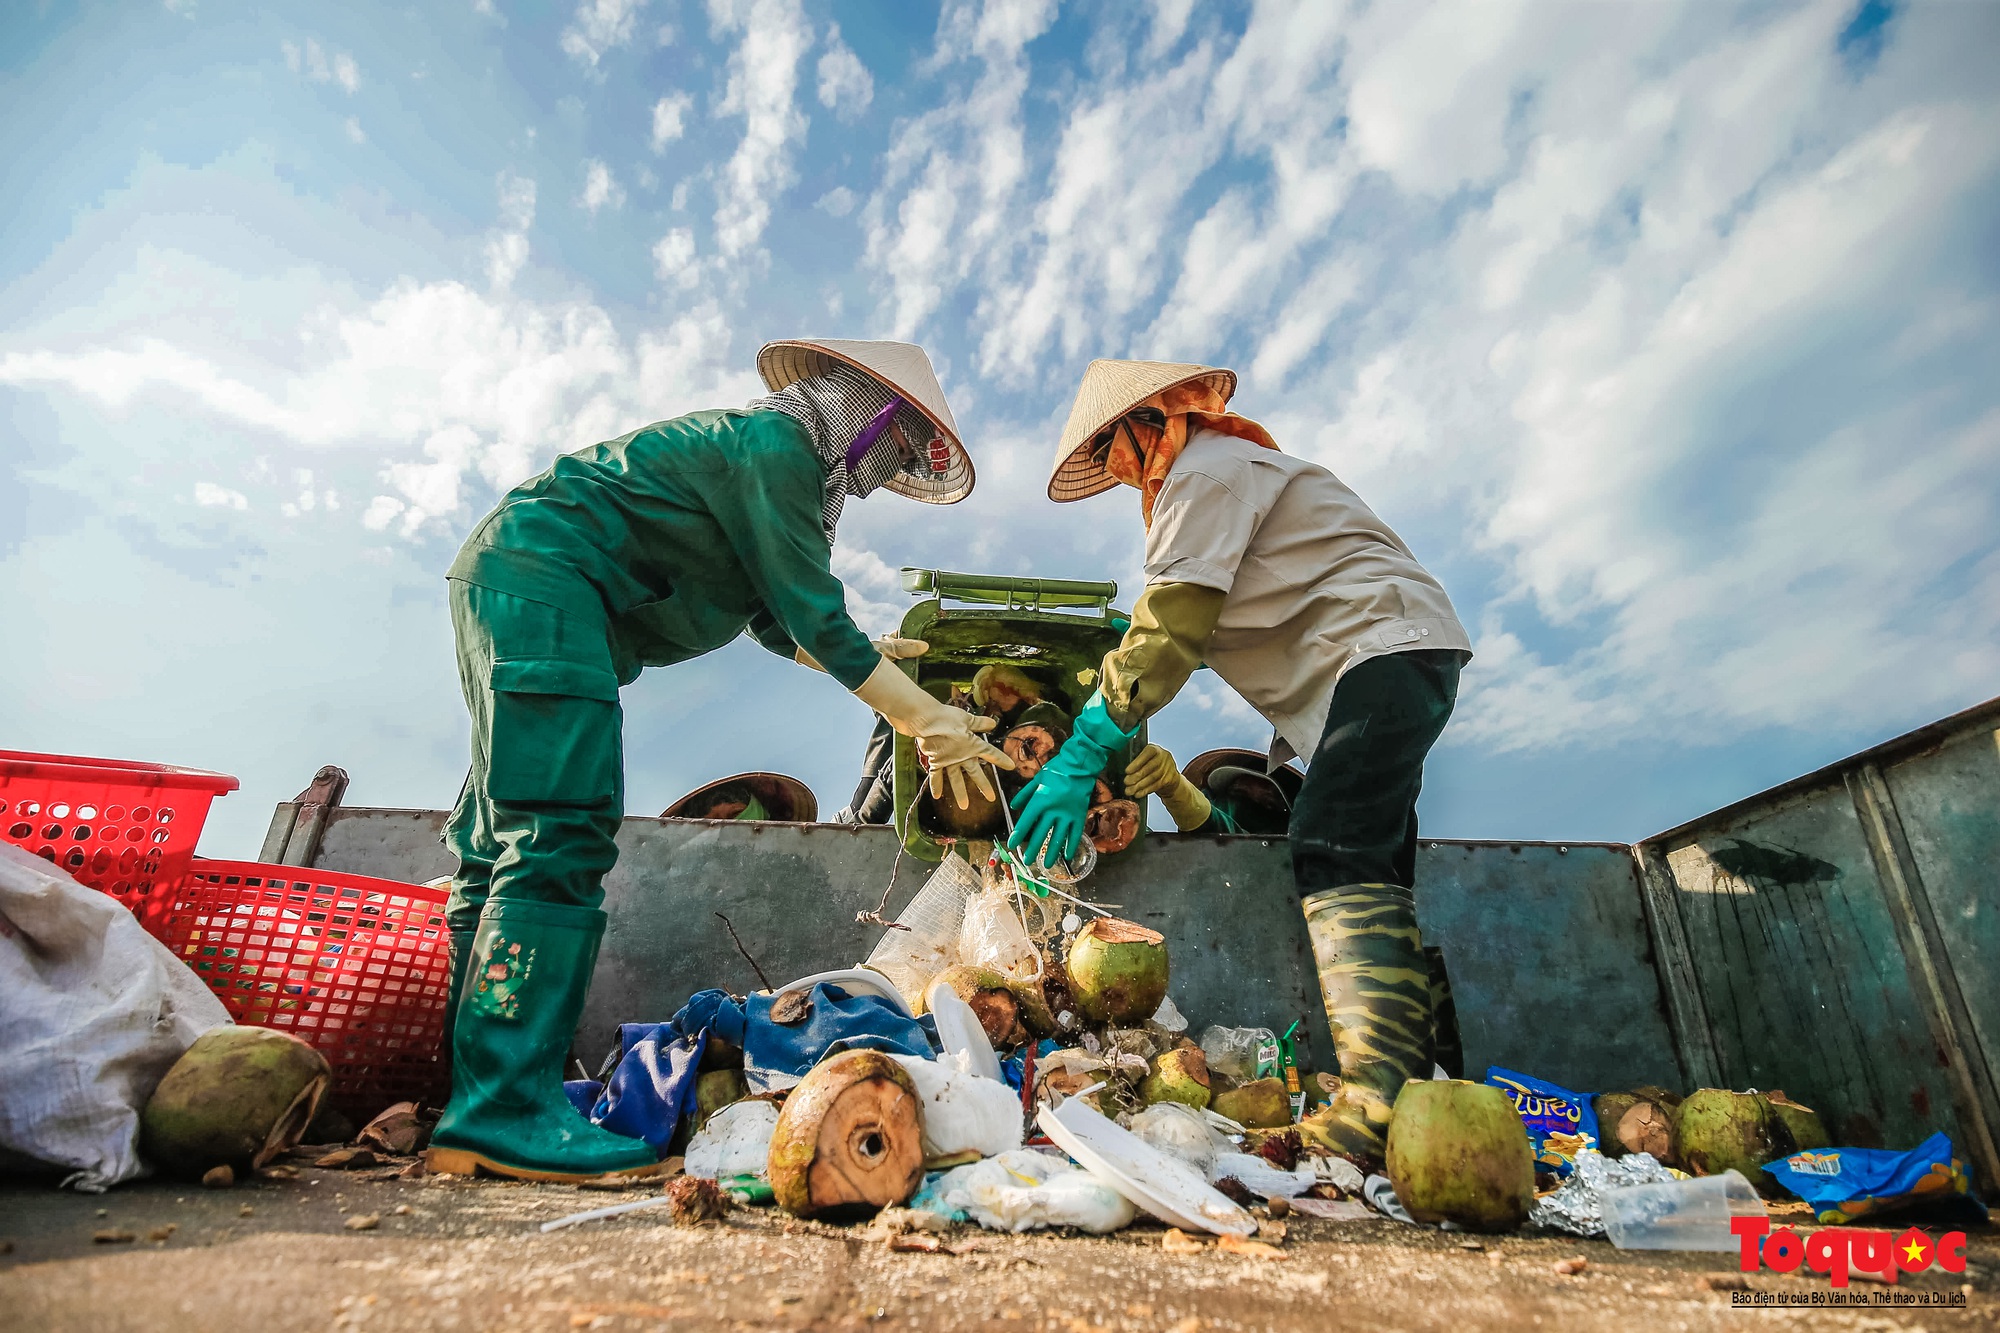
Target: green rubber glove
point(1050, 809)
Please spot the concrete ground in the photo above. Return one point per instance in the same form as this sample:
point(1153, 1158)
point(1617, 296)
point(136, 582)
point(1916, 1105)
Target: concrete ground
point(449, 1253)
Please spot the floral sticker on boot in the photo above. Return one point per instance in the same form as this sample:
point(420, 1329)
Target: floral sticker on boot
point(496, 991)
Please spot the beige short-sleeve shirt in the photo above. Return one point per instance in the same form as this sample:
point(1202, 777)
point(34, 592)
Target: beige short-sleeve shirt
point(1315, 582)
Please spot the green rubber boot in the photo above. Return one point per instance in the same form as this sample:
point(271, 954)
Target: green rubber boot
point(1377, 987)
point(523, 991)
point(458, 950)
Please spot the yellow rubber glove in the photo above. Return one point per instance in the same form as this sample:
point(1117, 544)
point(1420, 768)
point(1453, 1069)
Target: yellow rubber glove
point(891, 646)
point(1153, 772)
point(947, 737)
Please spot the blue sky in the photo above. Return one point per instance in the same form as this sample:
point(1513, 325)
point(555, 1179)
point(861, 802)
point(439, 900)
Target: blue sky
point(1664, 334)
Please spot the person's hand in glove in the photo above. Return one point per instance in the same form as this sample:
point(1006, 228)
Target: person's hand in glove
point(1153, 772)
point(893, 647)
point(948, 738)
point(1051, 807)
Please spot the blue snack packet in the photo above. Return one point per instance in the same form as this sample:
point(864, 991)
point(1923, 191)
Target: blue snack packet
point(1843, 1184)
point(1560, 1123)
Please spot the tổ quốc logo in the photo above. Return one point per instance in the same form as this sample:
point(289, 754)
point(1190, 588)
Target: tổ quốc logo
point(1837, 1252)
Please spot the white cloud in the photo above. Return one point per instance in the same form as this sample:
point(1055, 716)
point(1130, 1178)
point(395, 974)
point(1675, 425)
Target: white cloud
point(674, 258)
point(507, 249)
point(321, 65)
point(355, 134)
point(837, 202)
point(763, 81)
point(211, 496)
point(670, 119)
point(599, 27)
point(600, 190)
point(845, 85)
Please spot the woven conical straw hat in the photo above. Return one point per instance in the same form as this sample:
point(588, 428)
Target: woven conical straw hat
point(905, 369)
point(1110, 389)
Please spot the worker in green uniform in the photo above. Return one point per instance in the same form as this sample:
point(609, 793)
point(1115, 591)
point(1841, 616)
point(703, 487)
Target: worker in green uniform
point(1278, 577)
point(648, 550)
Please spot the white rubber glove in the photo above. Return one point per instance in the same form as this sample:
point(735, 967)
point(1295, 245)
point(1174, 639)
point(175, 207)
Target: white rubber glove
point(947, 737)
point(891, 646)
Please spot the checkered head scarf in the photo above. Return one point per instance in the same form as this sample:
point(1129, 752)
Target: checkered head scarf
point(848, 415)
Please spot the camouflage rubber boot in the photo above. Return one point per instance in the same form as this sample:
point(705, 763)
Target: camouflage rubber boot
point(1446, 1046)
point(1377, 988)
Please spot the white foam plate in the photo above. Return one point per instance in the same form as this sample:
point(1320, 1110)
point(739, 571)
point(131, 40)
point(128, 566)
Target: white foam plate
point(854, 979)
point(1163, 1185)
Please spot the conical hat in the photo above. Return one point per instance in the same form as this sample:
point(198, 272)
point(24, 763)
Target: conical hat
point(1197, 769)
point(1110, 389)
point(905, 369)
point(785, 799)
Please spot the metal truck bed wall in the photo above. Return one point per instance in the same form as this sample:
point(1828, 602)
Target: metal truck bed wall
point(1835, 937)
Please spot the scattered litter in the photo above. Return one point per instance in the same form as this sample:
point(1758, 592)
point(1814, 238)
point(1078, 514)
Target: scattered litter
point(1022, 1190)
point(1259, 1177)
point(1843, 1184)
point(1578, 1206)
point(1334, 1210)
point(1569, 1267)
point(1168, 1017)
point(1278, 1205)
point(1723, 1282)
point(363, 1222)
point(1338, 1172)
point(1177, 1241)
point(1381, 1196)
point(1162, 1184)
point(963, 1111)
point(113, 1236)
point(398, 1131)
point(347, 1159)
point(1685, 1214)
point(692, 1201)
point(1249, 1249)
point(245, 1211)
point(219, 1177)
point(1559, 1122)
point(163, 1234)
point(1179, 1130)
point(736, 1141)
point(1242, 1054)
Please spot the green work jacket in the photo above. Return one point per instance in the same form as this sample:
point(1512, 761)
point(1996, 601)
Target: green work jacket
point(680, 536)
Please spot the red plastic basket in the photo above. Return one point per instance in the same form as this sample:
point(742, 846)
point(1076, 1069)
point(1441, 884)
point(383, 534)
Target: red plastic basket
point(115, 824)
point(355, 965)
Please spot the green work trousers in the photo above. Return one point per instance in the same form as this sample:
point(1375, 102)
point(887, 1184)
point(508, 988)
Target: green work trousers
point(546, 791)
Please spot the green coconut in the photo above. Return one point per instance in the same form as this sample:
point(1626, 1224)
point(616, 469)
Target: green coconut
point(1259, 1104)
point(1803, 1123)
point(1458, 1152)
point(1717, 1130)
point(1179, 1075)
point(716, 1089)
point(238, 1097)
point(849, 1140)
point(1118, 971)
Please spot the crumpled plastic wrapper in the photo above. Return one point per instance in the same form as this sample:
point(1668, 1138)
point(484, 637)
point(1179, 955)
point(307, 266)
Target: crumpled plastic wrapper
point(1579, 1205)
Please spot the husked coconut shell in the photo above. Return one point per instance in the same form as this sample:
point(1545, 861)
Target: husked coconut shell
point(1458, 1152)
point(1808, 1134)
point(991, 997)
point(1118, 971)
point(849, 1139)
point(1179, 1075)
point(238, 1097)
point(1262, 1103)
point(1112, 827)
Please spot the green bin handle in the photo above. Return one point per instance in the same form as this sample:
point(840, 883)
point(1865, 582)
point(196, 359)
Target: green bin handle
point(1016, 594)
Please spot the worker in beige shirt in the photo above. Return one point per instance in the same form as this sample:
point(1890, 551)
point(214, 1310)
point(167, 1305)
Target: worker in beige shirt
point(1276, 575)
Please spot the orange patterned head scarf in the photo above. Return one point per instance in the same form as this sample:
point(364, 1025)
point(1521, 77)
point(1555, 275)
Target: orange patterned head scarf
point(1145, 443)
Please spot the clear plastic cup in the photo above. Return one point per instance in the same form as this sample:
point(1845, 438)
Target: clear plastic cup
point(1689, 1214)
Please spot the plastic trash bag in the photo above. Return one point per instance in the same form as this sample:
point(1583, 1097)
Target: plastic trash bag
point(1260, 1177)
point(910, 958)
point(991, 936)
point(736, 1141)
point(963, 1112)
point(1024, 1189)
point(93, 1012)
point(1181, 1131)
point(1244, 1054)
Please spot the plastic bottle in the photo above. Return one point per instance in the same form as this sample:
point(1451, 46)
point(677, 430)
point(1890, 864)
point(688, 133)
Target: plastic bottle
point(1680, 1214)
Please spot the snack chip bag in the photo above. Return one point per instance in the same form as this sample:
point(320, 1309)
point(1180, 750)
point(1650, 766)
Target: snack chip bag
point(1560, 1123)
point(1843, 1184)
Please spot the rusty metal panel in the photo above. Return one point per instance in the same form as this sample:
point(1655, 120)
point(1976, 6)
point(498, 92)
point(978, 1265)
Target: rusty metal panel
point(1550, 960)
point(1535, 935)
point(1948, 801)
point(1802, 971)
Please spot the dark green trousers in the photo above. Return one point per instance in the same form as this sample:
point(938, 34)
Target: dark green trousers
point(1355, 821)
point(546, 791)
